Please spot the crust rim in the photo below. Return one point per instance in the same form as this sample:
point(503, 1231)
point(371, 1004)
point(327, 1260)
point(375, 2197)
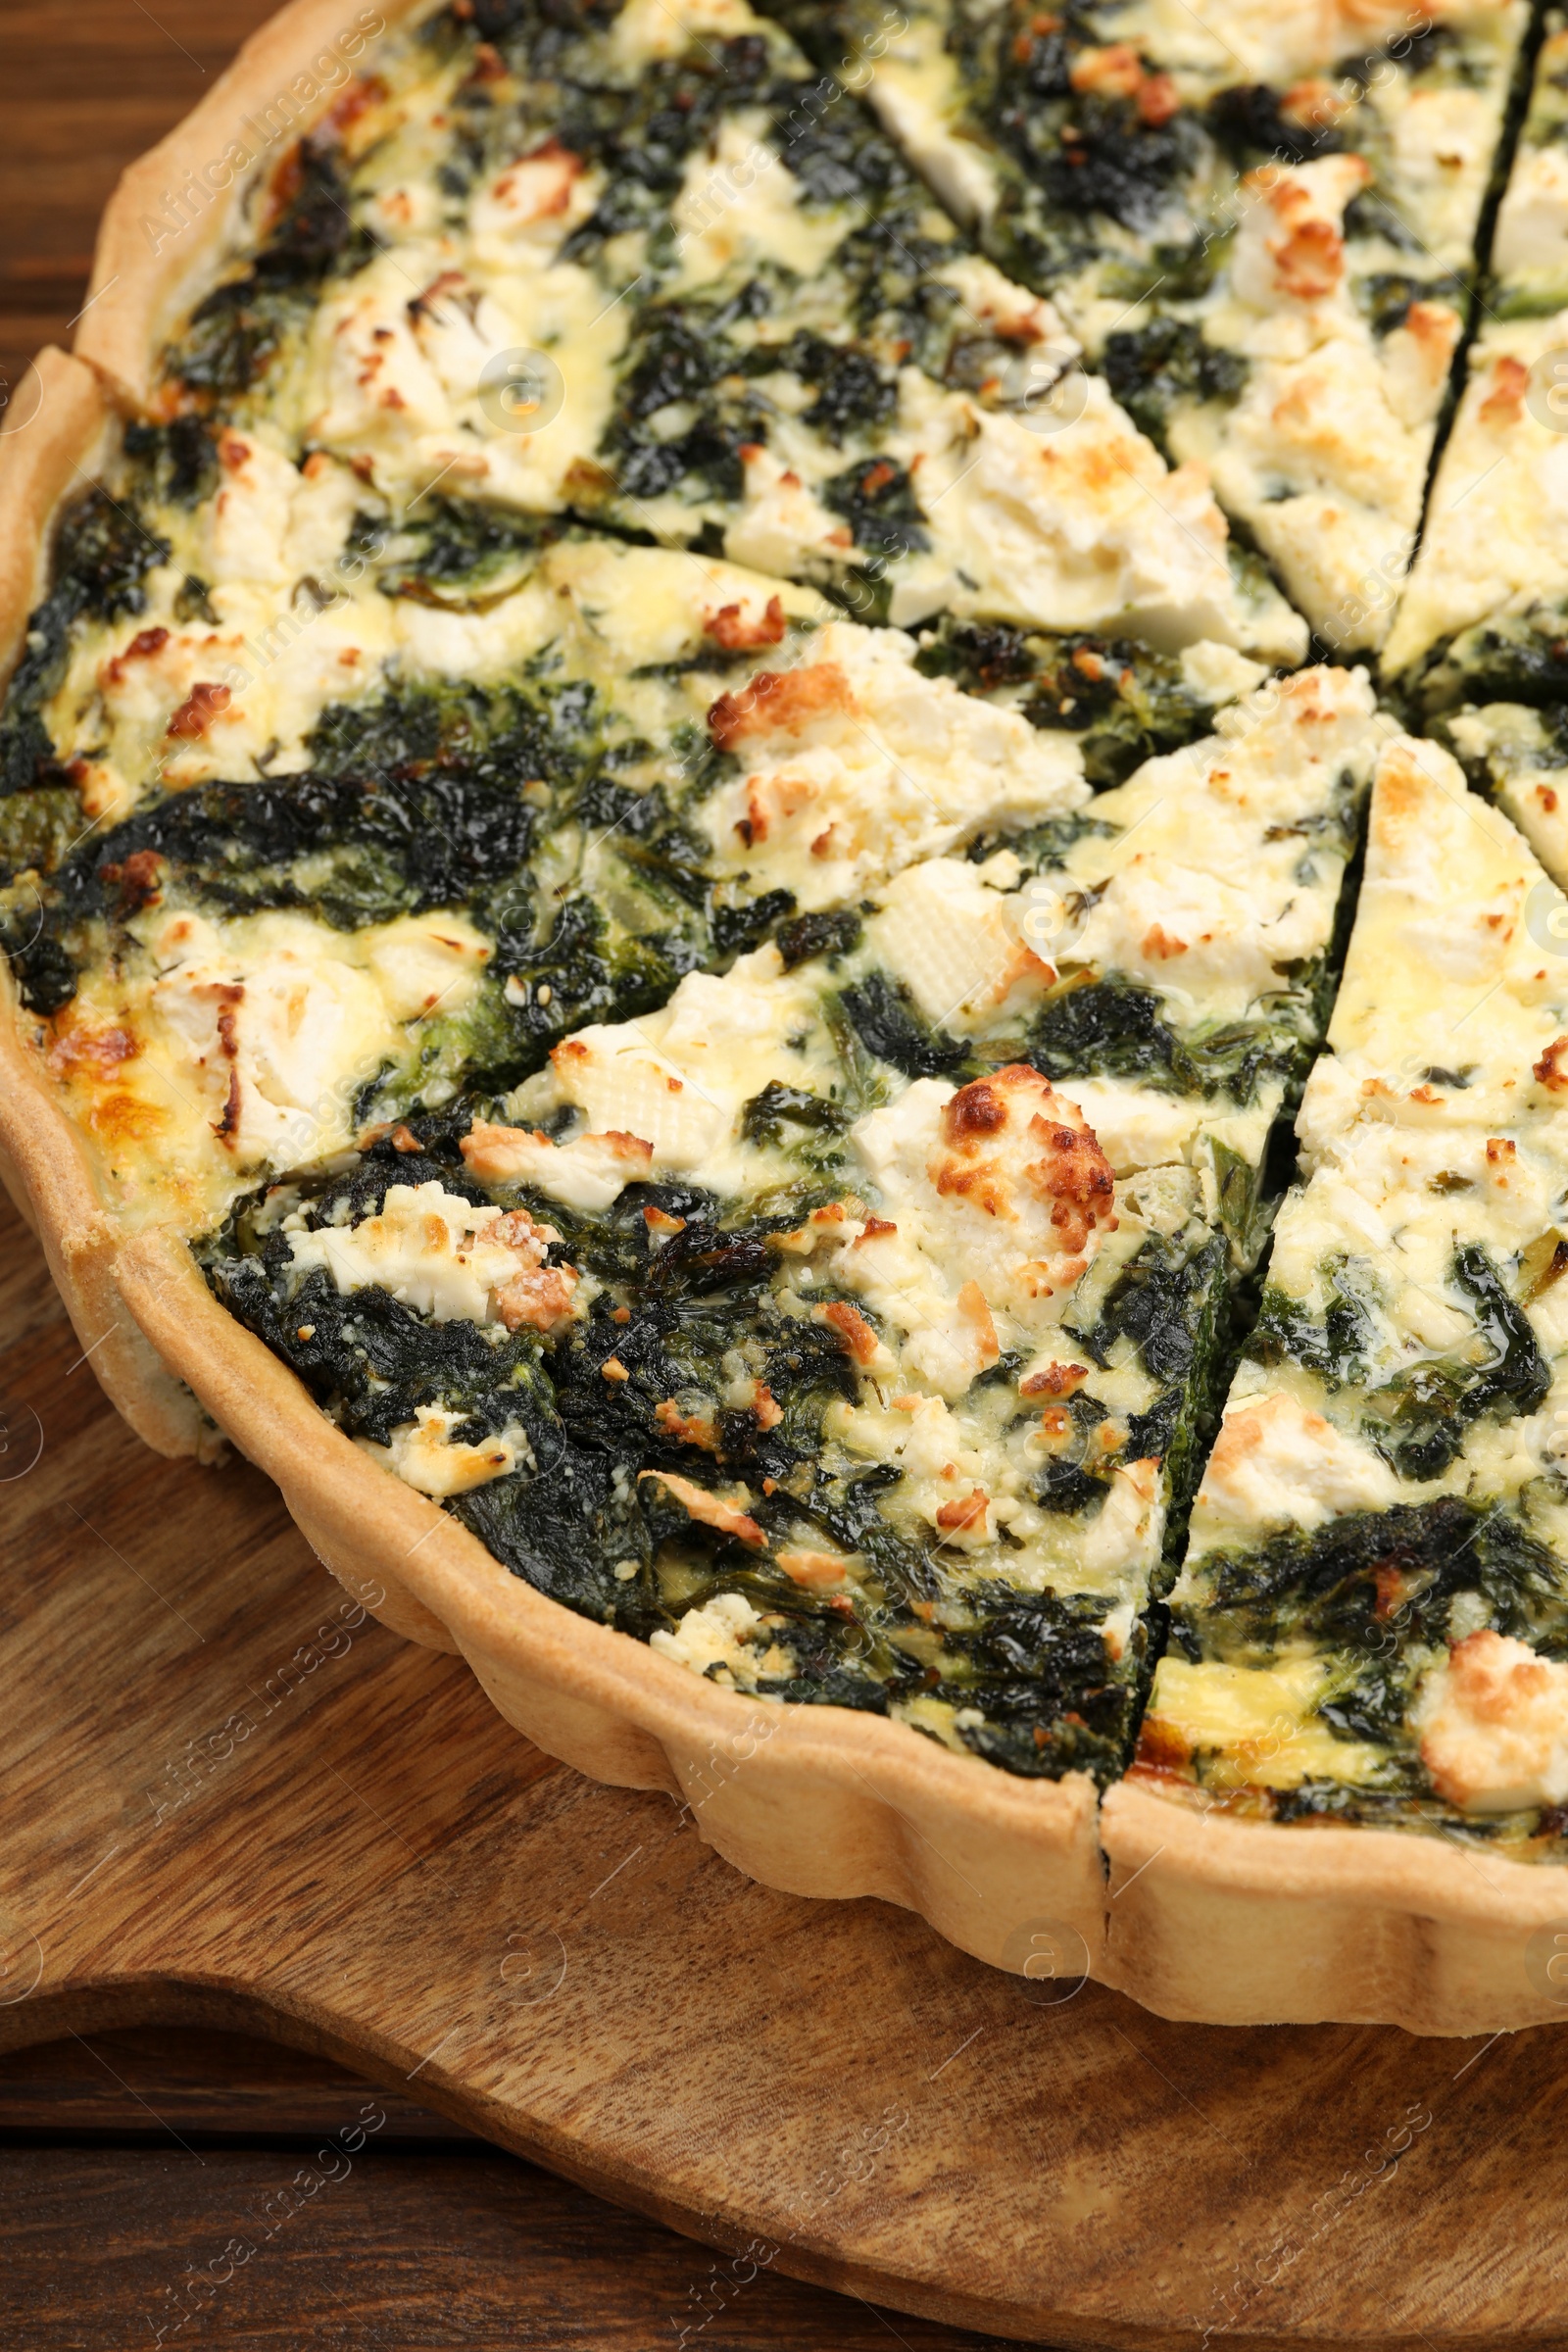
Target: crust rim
point(1245, 1924)
point(138, 288)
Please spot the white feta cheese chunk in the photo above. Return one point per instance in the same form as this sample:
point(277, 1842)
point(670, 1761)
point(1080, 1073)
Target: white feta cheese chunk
point(1252, 40)
point(1081, 526)
point(530, 206)
point(782, 526)
point(434, 1251)
point(1275, 1464)
point(1136, 1125)
point(1290, 249)
point(1174, 926)
point(991, 1200)
point(1493, 1725)
point(1124, 1535)
point(425, 1453)
point(855, 765)
point(587, 1173)
point(719, 1634)
point(1532, 233)
point(275, 1037)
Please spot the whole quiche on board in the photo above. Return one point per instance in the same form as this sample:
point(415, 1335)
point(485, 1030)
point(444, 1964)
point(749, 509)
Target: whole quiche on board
point(774, 893)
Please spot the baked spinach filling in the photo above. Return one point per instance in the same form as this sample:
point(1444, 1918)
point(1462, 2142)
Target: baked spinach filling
point(461, 797)
point(1037, 1688)
point(1380, 1594)
point(1124, 703)
point(1117, 1028)
point(1419, 1417)
point(426, 797)
point(1154, 369)
point(1518, 657)
point(1371, 1582)
point(1173, 1306)
point(237, 331)
point(691, 392)
point(103, 553)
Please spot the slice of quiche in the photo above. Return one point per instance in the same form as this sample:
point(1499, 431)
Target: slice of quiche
point(1478, 647)
point(1259, 224)
point(1372, 1621)
point(641, 263)
point(845, 1326)
point(1529, 263)
point(313, 820)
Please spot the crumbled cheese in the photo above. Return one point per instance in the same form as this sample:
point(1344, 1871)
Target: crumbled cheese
point(1219, 673)
point(1126, 1531)
point(678, 1079)
point(270, 1032)
point(998, 1196)
point(425, 1455)
point(1493, 1725)
point(852, 765)
point(1135, 1124)
point(1083, 527)
point(782, 525)
point(586, 1174)
point(432, 1249)
point(721, 1640)
point(1275, 1464)
point(1531, 239)
point(1254, 41)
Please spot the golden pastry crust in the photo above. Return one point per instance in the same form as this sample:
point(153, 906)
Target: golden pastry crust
point(1242, 1922)
point(153, 254)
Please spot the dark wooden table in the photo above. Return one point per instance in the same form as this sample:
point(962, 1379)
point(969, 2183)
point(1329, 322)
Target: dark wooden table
point(126, 2159)
point(130, 2161)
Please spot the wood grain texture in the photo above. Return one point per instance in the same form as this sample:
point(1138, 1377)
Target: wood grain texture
point(178, 2141)
point(415, 2250)
point(85, 87)
point(171, 2087)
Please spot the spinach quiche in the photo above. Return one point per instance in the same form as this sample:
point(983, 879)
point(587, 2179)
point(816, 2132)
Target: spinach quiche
point(1370, 1624)
point(1260, 224)
point(692, 927)
point(863, 1300)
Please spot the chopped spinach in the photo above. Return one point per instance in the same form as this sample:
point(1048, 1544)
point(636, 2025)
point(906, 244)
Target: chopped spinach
point(237, 331)
point(1124, 702)
point(1117, 1028)
point(1374, 1582)
point(1339, 1346)
point(885, 1020)
point(1157, 369)
point(1418, 1418)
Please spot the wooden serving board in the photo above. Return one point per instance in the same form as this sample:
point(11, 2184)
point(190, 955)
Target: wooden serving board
point(229, 1798)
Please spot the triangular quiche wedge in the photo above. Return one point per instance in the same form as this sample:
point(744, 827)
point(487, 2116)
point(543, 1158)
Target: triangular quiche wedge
point(1371, 1625)
point(1259, 224)
point(638, 267)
